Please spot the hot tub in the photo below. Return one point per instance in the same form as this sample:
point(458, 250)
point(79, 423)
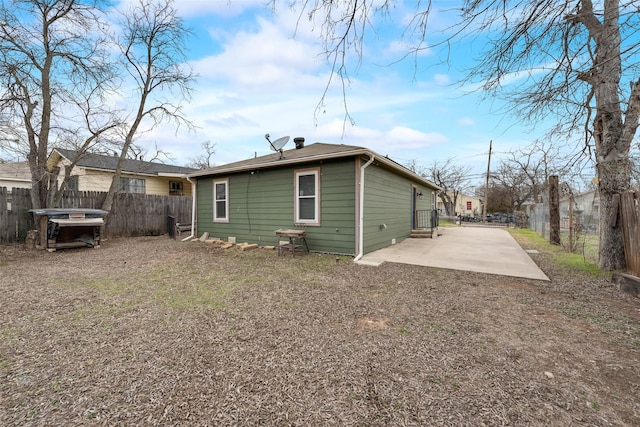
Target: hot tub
point(70, 228)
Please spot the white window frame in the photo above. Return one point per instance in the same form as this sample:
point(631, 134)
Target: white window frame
point(132, 185)
point(176, 188)
point(316, 209)
point(216, 200)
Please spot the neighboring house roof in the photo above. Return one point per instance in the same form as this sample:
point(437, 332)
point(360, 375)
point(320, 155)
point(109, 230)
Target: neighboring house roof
point(15, 172)
point(314, 152)
point(109, 163)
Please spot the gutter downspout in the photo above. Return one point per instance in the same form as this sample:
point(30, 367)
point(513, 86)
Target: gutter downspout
point(361, 219)
point(193, 211)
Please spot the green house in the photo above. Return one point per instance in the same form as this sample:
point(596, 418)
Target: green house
point(348, 199)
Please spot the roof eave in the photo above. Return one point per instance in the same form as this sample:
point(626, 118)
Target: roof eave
point(220, 170)
point(172, 174)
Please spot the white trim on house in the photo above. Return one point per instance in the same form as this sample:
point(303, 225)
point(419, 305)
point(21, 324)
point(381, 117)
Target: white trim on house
point(299, 196)
point(225, 217)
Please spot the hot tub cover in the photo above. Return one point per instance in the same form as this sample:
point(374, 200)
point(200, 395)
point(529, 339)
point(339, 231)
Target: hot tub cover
point(64, 213)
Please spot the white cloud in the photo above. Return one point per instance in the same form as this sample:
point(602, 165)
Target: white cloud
point(441, 79)
point(466, 121)
point(256, 78)
point(195, 8)
point(408, 137)
point(264, 60)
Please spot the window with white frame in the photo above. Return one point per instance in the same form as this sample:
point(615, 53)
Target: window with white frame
point(132, 185)
point(175, 188)
point(221, 201)
point(307, 197)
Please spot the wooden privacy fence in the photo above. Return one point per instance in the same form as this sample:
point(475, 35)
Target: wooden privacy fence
point(15, 219)
point(630, 230)
point(131, 214)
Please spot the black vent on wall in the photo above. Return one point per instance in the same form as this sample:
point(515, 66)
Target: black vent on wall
point(299, 141)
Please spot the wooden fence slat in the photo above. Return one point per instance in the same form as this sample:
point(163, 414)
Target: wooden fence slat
point(631, 231)
point(4, 215)
point(131, 214)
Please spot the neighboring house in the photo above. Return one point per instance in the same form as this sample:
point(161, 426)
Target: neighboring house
point(469, 205)
point(586, 210)
point(94, 172)
point(14, 175)
point(465, 205)
point(349, 199)
point(586, 204)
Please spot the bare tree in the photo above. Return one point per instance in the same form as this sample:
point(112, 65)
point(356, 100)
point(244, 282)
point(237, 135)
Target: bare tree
point(580, 65)
point(575, 61)
point(152, 44)
point(203, 161)
point(526, 170)
point(452, 178)
point(54, 73)
point(517, 184)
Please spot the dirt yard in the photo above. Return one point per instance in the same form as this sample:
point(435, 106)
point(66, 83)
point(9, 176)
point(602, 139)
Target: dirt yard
point(151, 331)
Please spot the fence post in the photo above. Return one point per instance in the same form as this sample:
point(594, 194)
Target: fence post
point(554, 211)
point(571, 224)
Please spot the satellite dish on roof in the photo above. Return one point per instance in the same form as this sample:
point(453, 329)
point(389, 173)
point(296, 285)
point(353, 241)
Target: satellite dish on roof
point(278, 144)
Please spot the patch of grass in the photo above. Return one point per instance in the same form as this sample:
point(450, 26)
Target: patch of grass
point(110, 287)
point(578, 262)
point(529, 239)
point(54, 386)
point(8, 334)
point(188, 290)
point(446, 223)
point(437, 328)
point(585, 244)
point(531, 236)
point(204, 295)
point(93, 413)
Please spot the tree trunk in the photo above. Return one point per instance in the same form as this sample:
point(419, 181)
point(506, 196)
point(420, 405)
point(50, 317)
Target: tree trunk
point(614, 180)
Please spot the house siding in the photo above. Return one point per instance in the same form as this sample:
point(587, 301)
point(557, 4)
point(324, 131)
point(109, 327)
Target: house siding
point(101, 181)
point(387, 201)
point(97, 180)
point(262, 201)
point(388, 207)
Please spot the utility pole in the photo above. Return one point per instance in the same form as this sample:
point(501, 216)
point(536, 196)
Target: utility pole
point(486, 187)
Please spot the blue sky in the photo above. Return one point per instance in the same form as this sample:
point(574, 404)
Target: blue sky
point(255, 78)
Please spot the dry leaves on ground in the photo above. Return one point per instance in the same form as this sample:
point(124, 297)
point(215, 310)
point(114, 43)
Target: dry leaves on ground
point(151, 331)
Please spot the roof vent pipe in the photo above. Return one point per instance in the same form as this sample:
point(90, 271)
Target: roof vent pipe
point(299, 141)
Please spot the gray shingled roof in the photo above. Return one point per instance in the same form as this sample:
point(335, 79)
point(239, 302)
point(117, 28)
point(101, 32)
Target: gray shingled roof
point(109, 163)
point(316, 151)
point(313, 152)
point(15, 171)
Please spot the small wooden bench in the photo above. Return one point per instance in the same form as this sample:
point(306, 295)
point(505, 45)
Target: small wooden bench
point(297, 240)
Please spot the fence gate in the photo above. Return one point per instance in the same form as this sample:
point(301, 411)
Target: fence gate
point(631, 231)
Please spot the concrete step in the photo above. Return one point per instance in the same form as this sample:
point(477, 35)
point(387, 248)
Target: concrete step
point(420, 234)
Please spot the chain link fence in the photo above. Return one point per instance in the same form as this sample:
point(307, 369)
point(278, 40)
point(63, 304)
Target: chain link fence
point(579, 223)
